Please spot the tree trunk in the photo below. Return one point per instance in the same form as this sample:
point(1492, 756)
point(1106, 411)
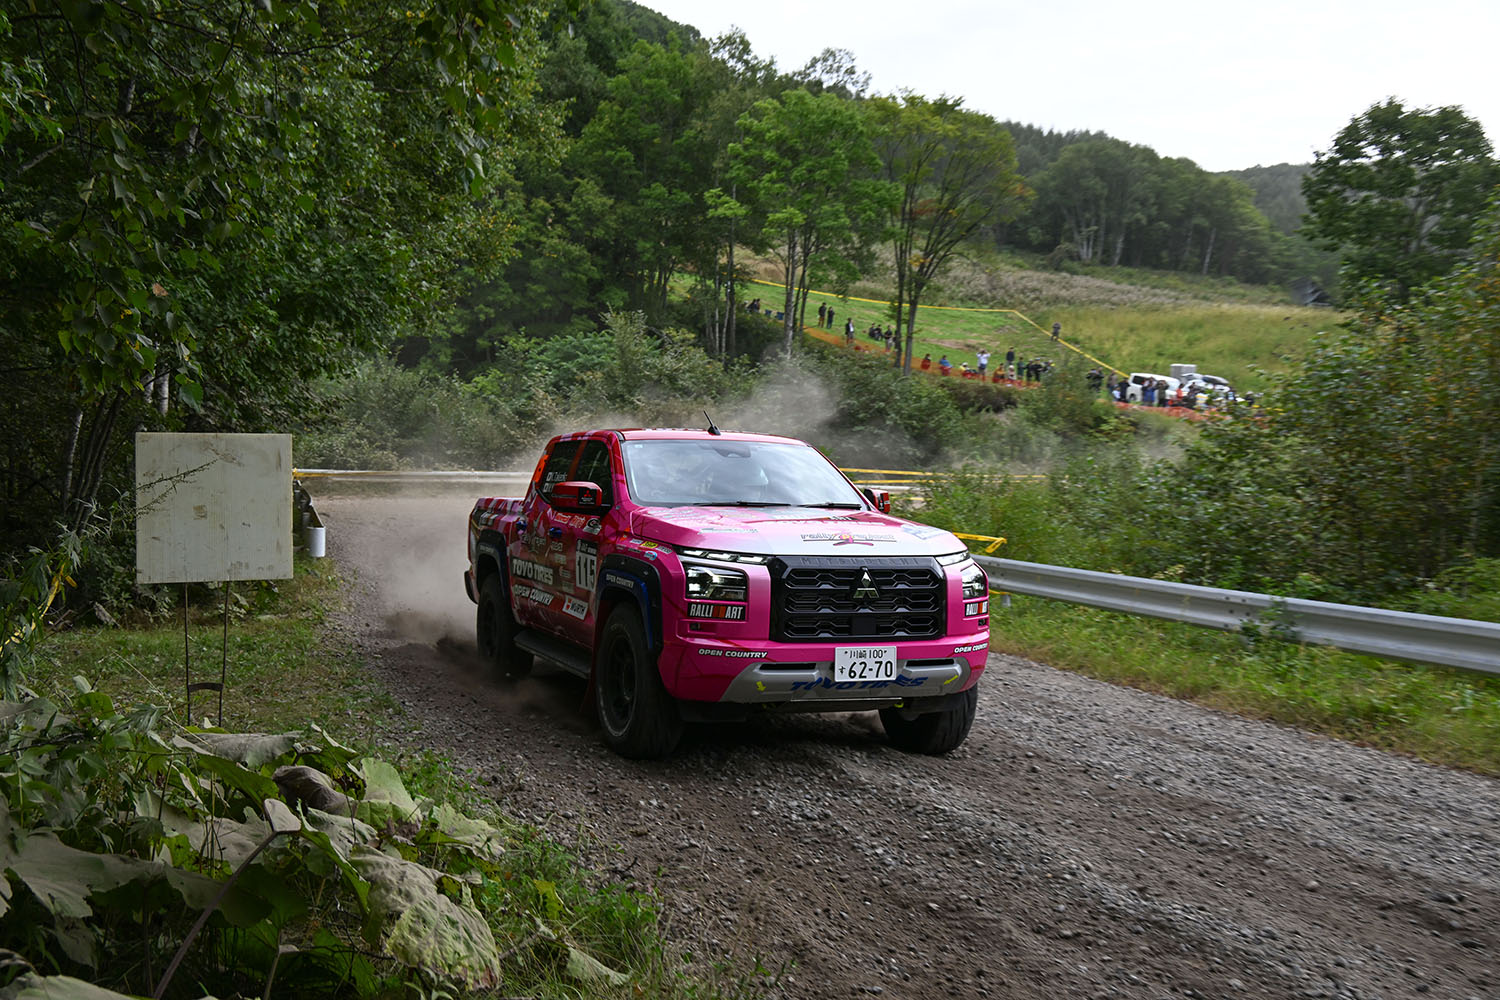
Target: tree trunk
point(95, 453)
point(789, 320)
point(733, 312)
point(66, 492)
point(1208, 251)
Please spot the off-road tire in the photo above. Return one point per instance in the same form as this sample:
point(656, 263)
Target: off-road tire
point(935, 732)
point(639, 719)
point(495, 632)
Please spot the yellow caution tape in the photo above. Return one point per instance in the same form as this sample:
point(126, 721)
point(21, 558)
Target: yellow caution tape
point(906, 472)
point(25, 630)
point(995, 542)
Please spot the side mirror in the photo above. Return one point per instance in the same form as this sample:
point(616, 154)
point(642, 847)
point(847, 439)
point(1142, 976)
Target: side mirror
point(577, 497)
point(880, 498)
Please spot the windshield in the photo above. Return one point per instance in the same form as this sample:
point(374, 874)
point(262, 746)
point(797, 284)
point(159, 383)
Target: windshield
point(668, 473)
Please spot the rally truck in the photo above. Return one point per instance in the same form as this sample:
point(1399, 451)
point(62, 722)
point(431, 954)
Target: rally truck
point(699, 575)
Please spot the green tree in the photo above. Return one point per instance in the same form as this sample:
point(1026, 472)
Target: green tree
point(954, 171)
point(1398, 191)
point(805, 173)
point(227, 199)
point(1094, 196)
point(648, 151)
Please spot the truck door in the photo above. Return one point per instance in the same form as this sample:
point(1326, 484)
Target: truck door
point(536, 556)
point(579, 575)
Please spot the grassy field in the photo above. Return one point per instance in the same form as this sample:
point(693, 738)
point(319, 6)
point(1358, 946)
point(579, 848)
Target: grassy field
point(1107, 323)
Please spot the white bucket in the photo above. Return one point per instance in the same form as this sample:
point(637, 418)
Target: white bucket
point(317, 538)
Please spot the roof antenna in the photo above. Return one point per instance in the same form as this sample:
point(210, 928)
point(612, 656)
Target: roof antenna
point(711, 428)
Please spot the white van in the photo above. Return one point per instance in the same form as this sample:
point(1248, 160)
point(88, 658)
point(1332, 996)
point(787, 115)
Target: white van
point(1138, 379)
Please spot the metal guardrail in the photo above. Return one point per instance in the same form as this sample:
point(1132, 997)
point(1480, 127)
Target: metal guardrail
point(1396, 635)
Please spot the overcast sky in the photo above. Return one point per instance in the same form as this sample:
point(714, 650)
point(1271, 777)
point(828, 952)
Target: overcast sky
point(1226, 84)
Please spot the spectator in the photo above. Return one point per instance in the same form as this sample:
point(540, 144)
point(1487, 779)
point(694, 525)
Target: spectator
point(1010, 363)
point(830, 317)
point(822, 312)
point(849, 329)
point(984, 362)
point(1056, 330)
point(1148, 392)
point(1095, 378)
point(926, 361)
point(944, 365)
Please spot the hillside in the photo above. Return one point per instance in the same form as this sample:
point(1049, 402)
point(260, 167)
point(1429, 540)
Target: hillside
point(1128, 319)
point(1278, 192)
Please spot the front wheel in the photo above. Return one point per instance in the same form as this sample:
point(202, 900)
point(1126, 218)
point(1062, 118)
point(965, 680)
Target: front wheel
point(638, 716)
point(495, 630)
point(934, 732)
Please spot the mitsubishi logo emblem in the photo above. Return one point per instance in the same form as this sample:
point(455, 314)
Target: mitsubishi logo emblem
point(865, 589)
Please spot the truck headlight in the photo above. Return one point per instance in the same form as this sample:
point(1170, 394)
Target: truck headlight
point(976, 591)
point(976, 584)
point(715, 583)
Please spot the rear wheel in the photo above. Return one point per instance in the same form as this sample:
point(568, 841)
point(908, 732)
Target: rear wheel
point(495, 630)
point(638, 716)
point(934, 732)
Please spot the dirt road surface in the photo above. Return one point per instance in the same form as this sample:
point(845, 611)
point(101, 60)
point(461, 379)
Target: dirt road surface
point(1087, 841)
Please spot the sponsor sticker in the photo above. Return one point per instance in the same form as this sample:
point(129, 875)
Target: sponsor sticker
point(593, 526)
point(525, 570)
point(847, 537)
point(586, 565)
point(826, 684)
point(573, 606)
point(725, 612)
point(970, 649)
point(736, 654)
point(535, 595)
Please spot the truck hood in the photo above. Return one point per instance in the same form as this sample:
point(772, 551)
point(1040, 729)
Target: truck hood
point(791, 531)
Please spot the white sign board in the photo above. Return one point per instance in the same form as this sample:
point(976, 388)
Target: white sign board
point(213, 507)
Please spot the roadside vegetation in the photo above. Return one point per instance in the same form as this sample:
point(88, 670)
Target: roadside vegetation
point(391, 874)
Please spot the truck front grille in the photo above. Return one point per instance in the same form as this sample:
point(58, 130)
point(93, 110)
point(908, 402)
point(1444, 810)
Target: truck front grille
point(817, 599)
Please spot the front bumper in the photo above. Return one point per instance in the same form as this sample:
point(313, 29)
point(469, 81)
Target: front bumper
point(786, 674)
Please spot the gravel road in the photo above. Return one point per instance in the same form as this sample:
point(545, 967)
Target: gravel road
point(1086, 841)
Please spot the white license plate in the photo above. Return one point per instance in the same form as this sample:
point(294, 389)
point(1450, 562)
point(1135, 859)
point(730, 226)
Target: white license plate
point(864, 663)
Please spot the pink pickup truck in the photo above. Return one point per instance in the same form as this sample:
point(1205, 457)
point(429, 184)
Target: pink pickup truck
point(697, 576)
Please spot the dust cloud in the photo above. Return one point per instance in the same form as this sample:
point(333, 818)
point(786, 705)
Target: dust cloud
point(411, 552)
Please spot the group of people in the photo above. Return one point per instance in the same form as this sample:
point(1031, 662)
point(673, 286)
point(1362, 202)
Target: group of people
point(1030, 371)
point(875, 333)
